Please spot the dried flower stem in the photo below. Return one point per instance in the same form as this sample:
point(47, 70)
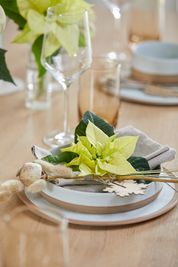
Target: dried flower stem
point(157, 171)
point(164, 179)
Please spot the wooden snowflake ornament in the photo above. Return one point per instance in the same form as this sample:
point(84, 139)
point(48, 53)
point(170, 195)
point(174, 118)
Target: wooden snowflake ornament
point(126, 188)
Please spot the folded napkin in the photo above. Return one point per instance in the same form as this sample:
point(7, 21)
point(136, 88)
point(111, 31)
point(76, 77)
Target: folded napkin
point(153, 152)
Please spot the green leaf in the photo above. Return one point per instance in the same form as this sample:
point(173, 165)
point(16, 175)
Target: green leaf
point(36, 49)
point(139, 163)
point(4, 72)
point(12, 11)
point(99, 122)
point(61, 157)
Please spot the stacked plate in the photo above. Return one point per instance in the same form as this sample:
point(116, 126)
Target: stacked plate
point(90, 198)
point(153, 63)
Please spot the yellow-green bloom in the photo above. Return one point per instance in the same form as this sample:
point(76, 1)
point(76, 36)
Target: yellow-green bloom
point(100, 154)
point(34, 11)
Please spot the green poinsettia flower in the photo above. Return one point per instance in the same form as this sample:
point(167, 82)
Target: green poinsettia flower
point(100, 154)
point(30, 16)
point(34, 11)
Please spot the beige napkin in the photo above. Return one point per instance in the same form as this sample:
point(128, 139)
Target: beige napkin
point(154, 152)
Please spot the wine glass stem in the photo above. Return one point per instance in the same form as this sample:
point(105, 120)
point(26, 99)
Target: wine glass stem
point(66, 110)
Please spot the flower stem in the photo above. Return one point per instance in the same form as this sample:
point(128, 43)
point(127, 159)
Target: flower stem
point(165, 179)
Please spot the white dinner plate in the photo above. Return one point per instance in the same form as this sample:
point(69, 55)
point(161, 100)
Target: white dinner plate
point(165, 201)
point(138, 95)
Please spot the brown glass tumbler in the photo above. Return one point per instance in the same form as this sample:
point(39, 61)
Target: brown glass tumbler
point(99, 89)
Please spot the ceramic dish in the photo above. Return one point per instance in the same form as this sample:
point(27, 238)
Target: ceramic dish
point(156, 58)
point(139, 96)
point(166, 200)
point(98, 202)
point(155, 62)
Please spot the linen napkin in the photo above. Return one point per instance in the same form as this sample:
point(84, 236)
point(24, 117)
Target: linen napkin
point(152, 151)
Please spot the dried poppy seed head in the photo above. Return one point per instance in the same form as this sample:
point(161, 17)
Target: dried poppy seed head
point(29, 173)
point(37, 186)
point(12, 186)
point(55, 170)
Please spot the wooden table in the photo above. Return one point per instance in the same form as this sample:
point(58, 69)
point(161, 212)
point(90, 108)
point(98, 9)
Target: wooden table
point(150, 244)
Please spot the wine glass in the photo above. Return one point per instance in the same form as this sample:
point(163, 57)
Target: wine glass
point(71, 33)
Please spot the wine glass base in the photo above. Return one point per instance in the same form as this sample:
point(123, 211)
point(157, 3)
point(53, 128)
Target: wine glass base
point(56, 139)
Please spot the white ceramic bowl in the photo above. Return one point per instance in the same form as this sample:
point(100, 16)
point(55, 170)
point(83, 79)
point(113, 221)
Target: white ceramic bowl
point(156, 58)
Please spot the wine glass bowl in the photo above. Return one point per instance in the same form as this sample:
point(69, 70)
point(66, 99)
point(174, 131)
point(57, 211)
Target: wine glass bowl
point(66, 54)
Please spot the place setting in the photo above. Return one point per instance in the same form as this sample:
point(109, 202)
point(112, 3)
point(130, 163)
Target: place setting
point(148, 54)
point(153, 77)
point(87, 182)
point(102, 179)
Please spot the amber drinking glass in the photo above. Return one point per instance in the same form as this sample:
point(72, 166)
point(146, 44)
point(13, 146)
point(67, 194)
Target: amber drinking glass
point(99, 89)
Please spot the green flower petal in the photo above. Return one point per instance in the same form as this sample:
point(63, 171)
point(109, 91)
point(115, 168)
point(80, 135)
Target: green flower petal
point(119, 166)
point(99, 171)
point(68, 36)
point(26, 36)
point(95, 135)
point(52, 45)
point(36, 22)
point(126, 145)
point(84, 169)
point(78, 148)
point(86, 143)
point(74, 162)
point(38, 5)
point(2, 19)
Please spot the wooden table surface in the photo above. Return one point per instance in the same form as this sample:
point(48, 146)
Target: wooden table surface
point(150, 244)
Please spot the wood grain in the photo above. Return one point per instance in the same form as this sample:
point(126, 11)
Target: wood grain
point(150, 244)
